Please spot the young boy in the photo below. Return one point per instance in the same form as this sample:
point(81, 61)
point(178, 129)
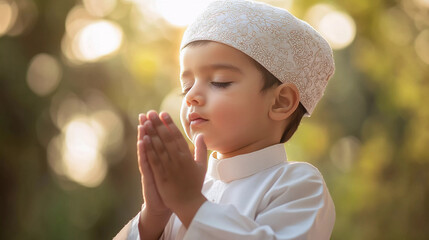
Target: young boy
point(249, 72)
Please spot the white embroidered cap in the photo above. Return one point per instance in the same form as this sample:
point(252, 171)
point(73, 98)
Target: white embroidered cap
point(286, 46)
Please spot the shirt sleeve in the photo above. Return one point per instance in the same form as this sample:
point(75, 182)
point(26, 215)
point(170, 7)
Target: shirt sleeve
point(133, 233)
point(297, 208)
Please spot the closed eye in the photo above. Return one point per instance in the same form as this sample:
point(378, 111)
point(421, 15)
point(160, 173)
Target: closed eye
point(215, 84)
point(221, 84)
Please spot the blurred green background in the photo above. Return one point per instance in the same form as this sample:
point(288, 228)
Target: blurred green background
point(75, 74)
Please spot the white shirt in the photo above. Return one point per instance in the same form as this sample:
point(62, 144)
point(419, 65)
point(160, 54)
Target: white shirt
point(258, 195)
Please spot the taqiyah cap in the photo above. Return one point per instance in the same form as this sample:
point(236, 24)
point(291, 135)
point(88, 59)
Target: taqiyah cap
point(286, 46)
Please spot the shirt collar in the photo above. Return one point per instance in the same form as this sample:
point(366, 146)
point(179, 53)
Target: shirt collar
point(244, 165)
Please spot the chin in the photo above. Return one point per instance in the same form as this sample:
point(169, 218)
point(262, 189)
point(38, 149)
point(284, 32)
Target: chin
point(214, 147)
point(207, 141)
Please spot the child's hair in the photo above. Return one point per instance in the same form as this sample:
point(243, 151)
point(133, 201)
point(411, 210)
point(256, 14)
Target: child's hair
point(270, 81)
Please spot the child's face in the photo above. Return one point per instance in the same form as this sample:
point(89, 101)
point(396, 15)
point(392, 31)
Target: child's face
point(223, 87)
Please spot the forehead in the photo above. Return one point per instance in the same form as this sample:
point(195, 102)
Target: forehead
point(195, 57)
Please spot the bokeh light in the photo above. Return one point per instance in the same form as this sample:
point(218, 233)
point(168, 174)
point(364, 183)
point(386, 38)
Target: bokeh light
point(99, 8)
point(90, 131)
point(44, 74)
point(81, 157)
point(180, 13)
point(76, 154)
point(96, 40)
point(338, 28)
point(422, 3)
point(25, 15)
point(64, 108)
point(77, 18)
point(8, 14)
point(89, 39)
point(316, 13)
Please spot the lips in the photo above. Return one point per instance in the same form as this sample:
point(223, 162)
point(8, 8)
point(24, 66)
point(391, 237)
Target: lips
point(196, 119)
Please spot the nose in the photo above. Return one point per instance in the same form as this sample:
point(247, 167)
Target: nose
point(194, 97)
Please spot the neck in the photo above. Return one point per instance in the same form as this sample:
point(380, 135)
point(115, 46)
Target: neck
point(251, 147)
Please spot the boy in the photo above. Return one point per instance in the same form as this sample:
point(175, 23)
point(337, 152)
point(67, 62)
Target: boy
point(249, 72)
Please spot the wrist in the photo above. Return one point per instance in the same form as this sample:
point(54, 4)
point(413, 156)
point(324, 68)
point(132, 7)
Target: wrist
point(151, 223)
point(147, 211)
point(186, 212)
point(148, 215)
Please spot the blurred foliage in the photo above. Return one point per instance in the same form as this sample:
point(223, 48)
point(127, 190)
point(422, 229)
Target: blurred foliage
point(369, 136)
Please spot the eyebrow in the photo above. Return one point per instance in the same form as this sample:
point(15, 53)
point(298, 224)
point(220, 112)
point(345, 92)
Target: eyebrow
point(218, 66)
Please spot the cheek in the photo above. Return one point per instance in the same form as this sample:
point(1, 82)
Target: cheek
point(230, 114)
point(185, 125)
point(239, 116)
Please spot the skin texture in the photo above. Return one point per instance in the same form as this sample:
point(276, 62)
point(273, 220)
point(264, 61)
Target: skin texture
point(222, 87)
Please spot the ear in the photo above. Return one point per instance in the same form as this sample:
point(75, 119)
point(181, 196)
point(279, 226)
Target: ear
point(286, 100)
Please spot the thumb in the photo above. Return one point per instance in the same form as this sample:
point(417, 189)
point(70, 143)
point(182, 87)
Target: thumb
point(200, 151)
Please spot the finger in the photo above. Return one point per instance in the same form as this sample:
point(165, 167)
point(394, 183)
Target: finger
point(177, 135)
point(146, 172)
point(140, 150)
point(152, 158)
point(164, 133)
point(157, 144)
point(142, 118)
point(201, 151)
point(140, 132)
point(140, 155)
point(147, 179)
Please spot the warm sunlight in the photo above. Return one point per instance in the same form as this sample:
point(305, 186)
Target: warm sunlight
point(98, 39)
point(180, 13)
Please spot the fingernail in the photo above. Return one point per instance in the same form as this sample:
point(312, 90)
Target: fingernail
point(152, 116)
point(166, 116)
